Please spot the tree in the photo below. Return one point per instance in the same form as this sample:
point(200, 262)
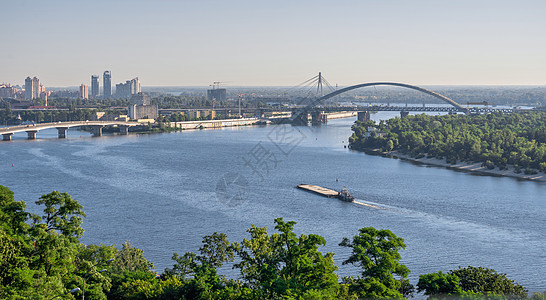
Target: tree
point(216, 250)
point(470, 281)
point(284, 264)
point(89, 262)
point(129, 266)
point(376, 251)
point(37, 261)
point(439, 284)
point(15, 275)
point(12, 213)
point(390, 145)
point(62, 213)
point(487, 281)
point(499, 139)
point(538, 296)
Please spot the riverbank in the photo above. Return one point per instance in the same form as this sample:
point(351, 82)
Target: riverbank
point(471, 167)
point(214, 124)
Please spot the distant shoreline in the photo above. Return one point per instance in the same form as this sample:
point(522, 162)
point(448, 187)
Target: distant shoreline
point(471, 167)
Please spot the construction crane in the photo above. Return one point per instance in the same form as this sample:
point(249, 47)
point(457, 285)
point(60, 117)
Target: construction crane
point(239, 97)
point(216, 85)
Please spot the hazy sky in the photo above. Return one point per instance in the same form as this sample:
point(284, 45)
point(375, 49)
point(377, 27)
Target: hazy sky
point(193, 43)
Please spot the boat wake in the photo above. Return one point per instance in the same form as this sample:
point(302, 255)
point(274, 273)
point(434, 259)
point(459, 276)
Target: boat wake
point(375, 205)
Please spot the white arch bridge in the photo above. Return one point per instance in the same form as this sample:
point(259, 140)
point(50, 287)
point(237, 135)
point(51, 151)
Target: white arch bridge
point(62, 128)
point(298, 115)
point(404, 85)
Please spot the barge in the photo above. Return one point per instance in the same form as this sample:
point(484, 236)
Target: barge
point(343, 195)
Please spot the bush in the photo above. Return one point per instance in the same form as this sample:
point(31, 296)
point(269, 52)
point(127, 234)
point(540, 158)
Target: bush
point(529, 171)
point(471, 282)
point(488, 164)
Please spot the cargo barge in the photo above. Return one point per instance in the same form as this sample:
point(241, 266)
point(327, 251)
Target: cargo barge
point(343, 195)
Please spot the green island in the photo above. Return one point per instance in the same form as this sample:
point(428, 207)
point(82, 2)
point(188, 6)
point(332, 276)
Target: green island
point(515, 142)
point(41, 257)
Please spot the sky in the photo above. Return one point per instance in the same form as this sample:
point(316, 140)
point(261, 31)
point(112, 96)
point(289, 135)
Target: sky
point(274, 43)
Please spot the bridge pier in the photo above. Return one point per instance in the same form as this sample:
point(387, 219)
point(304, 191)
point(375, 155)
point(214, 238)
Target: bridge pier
point(301, 119)
point(124, 130)
point(318, 117)
point(6, 136)
point(62, 132)
point(32, 134)
point(363, 116)
point(97, 130)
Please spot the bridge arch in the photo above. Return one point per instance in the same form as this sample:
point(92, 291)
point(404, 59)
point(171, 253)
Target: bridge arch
point(409, 86)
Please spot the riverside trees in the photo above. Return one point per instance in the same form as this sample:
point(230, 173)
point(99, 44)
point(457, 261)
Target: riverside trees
point(470, 281)
point(496, 139)
point(41, 257)
point(376, 251)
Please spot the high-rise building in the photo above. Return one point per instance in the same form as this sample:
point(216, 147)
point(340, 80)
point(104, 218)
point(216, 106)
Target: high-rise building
point(140, 107)
point(129, 88)
point(217, 94)
point(36, 87)
point(140, 99)
point(28, 88)
point(94, 86)
point(107, 82)
point(8, 91)
point(84, 91)
point(32, 88)
point(136, 111)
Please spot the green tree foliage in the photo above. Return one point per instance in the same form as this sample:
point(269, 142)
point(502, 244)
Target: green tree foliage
point(216, 250)
point(280, 265)
point(46, 259)
point(192, 276)
point(376, 252)
point(488, 281)
point(129, 266)
point(538, 296)
point(439, 284)
point(517, 139)
point(90, 261)
point(38, 260)
point(470, 281)
point(12, 213)
point(284, 264)
point(62, 213)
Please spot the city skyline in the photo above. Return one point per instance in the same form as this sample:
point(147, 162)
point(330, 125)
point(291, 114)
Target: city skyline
point(245, 43)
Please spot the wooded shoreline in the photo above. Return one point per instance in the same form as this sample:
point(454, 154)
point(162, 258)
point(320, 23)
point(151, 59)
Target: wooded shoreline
point(470, 167)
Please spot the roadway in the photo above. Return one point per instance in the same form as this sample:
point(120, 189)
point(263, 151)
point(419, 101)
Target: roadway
point(62, 127)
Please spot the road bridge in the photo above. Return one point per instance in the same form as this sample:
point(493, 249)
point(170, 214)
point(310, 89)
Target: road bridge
point(448, 109)
point(62, 128)
point(300, 116)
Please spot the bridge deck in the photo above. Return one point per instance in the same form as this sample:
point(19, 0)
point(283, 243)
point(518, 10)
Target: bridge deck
point(41, 126)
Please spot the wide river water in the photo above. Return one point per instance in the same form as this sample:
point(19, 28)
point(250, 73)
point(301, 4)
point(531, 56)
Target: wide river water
point(164, 192)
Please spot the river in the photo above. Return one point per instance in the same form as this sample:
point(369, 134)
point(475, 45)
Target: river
point(164, 192)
